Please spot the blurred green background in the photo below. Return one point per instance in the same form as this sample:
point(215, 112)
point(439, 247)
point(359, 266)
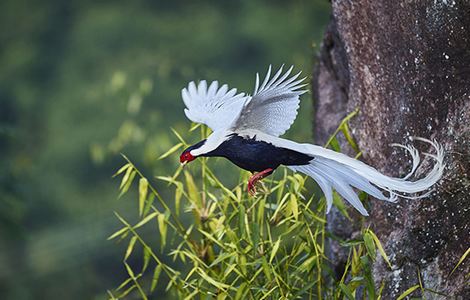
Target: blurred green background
point(82, 81)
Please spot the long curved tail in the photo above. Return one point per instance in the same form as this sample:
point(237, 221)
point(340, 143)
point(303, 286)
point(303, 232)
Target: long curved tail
point(333, 170)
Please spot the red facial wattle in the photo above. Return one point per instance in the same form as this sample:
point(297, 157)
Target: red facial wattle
point(186, 157)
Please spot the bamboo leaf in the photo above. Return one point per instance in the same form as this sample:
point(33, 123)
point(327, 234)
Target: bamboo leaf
point(349, 138)
point(212, 281)
point(170, 151)
point(294, 206)
point(178, 195)
point(131, 274)
point(143, 188)
point(162, 227)
point(148, 203)
point(178, 136)
point(369, 243)
point(156, 276)
point(125, 178)
point(193, 191)
point(241, 220)
point(147, 255)
point(194, 126)
point(130, 247)
point(379, 246)
point(128, 183)
point(122, 169)
point(408, 291)
point(123, 284)
point(126, 292)
point(118, 233)
point(274, 249)
point(461, 260)
point(146, 220)
point(346, 291)
point(111, 296)
point(334, 144)
point(306, 265)
point(240, 291)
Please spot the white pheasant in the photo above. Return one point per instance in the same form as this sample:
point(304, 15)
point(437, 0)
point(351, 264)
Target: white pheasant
point(246, 131)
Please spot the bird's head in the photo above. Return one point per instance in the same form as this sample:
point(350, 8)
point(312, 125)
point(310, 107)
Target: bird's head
point(189, 154)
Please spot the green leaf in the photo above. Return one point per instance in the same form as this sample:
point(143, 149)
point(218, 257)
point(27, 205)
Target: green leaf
point(349, 138)
point(346, 291)
point(143, 188)
point(148, 203)
point(118, 233)
point(129, 271)
point(461, 260)
point(307, 264)
point(156, 276)
point(193, 191)
point(334, 144)
point(194, 126)
point(274, 249)
point(212, 281)
point(241, 220)
point(124, 283)
point(122, 169)
point(240, 291)
point(379, 246)
point(128, 182)
point(178, 195)
point(260, 213)
point(147, 255)
point(130, 247)
point(294, 206)
point(178, 136)
point(131, 274)
point(338, 202)
point(162, 227)
point(369, 243)
point(266, 268)
point(170, 151)
point(111, 296)
point(408, 291)
point(126, 292)
point(146, 219)
point(125, 178)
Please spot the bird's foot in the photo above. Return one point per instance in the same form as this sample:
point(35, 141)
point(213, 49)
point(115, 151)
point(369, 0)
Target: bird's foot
point(252, 186)
point(257, 177)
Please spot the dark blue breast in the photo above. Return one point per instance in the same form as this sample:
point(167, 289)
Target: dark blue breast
point(253, 155)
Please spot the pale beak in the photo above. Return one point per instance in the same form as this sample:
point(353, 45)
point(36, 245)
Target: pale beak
point(184, 164)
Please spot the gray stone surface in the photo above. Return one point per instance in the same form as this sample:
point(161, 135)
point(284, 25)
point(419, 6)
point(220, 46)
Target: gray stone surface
point(406, 66)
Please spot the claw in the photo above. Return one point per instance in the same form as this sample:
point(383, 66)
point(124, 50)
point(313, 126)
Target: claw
point(255, 178)
point(252, 186)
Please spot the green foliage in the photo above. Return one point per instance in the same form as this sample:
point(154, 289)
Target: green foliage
point(83, 80)
point(233, 246)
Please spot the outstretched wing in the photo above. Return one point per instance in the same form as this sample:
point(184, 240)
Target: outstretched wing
point(273, 107)
point(215, 107)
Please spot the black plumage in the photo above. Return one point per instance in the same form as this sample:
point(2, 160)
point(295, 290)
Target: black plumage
point(255, 156)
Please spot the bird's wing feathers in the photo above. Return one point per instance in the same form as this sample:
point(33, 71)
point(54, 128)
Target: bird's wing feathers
point(214, 106)
point(273, 107)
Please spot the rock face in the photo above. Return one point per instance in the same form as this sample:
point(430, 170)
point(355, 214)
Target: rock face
point(406, 66)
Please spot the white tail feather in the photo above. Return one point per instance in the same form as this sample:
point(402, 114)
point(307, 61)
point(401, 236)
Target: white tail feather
point(333, 170)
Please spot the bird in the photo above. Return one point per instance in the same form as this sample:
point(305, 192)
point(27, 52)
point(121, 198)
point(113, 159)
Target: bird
point(246, 130)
